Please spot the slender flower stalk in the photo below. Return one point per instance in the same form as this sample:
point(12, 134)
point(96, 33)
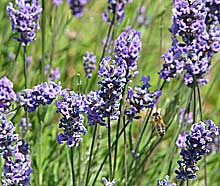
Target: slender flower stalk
point(109, 148)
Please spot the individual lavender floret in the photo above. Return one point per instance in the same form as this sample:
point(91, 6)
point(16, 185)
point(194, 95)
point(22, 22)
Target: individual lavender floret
point(127, 48)
point(180, 142)
point(24, 126)
point(108, 183)
point(17, 167)
point(89, 61)
point(165, 182)
point(8, 138)
point(24, 16)
point(202, 134)
point(42, 94)
point(77, 6)
point(142, 18)
point(71, 106)
point(52, 74)
point(7, 94)
point(114, 11)
point(57, 2)
point(140, 98)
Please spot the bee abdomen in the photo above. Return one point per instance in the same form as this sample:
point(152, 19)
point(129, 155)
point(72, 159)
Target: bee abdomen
point(160, 130)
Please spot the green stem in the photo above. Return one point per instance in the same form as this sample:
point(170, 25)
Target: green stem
point(79, 165)
point(106, 156)
point(25, 68)
point(90, 155)
point(72, 166)
point(125, 153)
point(109, 149)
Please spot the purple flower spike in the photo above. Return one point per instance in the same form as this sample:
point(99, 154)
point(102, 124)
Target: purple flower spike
point(17, 166)
point(196, 146)
point(24, 16)
point(127, 48)
point(42, 94)
point(115, 8)
point(196, 37)
point(72, 107)
point(89, 61)
point(77, 6)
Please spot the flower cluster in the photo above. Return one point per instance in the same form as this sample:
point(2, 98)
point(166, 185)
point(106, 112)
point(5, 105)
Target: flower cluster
point(127, 48)
point(52, 74)
point(71, 106)
point(77, 6)
point(16, 153)
point(7, 94)
point(142, 17)
point(89, 61)
point(111, 86)
point(165, 182)
point(140, 98)
point(25, 19)
point(196, 143)
point(105, 102)
point(115, 11)
point(41, 94)
point(191, 51)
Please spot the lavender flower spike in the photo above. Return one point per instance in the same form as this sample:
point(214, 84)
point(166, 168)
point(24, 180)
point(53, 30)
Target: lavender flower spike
point(115, 10)
point(7, 94)
point(127, 48)
point(17, 166)
point(71, 106)
point(89, 61)
point(24, 16)
point(196, 146)
point(42, 94)
point(77, 6)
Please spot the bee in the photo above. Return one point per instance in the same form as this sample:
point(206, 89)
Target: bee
point(158, 123)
